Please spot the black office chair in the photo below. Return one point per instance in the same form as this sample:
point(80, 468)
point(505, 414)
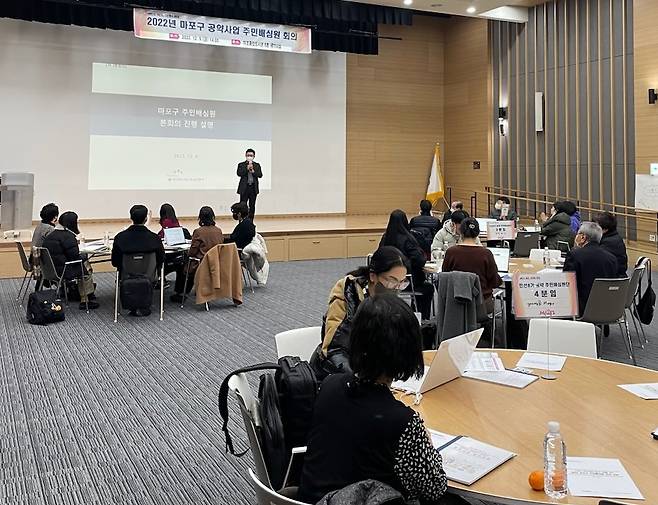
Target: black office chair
point(138, 264)
point(525, 241)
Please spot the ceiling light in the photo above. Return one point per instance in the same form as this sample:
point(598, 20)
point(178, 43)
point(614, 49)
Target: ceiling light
point(408, 2)
point(471, 10)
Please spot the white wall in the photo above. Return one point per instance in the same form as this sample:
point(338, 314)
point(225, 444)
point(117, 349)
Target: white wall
point(45, 85)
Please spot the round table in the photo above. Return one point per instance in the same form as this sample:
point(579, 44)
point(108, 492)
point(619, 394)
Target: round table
point(597, 418)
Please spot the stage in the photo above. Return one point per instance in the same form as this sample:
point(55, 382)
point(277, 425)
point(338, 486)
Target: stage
point(288, 238)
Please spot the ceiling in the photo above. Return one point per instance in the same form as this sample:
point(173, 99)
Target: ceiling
point(456, 7)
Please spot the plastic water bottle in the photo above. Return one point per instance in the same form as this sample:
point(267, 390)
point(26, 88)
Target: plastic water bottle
point(547, 256)
point(555, 463)
point(106, 239)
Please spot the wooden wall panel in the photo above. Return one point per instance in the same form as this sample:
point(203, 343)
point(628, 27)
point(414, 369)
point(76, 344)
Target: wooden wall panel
point(394, 117)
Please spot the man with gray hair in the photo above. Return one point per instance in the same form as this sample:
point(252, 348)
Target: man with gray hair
point(590, 261)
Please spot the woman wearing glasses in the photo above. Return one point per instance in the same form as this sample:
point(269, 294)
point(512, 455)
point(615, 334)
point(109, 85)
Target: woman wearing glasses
point(386, 273)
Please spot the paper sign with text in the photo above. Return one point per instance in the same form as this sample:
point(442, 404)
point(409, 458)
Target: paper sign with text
point(545, 294)
point(501, 230)
point(179, 27)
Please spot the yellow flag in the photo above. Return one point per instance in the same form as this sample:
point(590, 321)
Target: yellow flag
point(435, 185)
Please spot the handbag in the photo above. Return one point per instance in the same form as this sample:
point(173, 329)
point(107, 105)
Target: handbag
point(646, 302)
point(44, 307)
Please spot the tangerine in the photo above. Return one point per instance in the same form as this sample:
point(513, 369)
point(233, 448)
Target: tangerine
point(536, 480)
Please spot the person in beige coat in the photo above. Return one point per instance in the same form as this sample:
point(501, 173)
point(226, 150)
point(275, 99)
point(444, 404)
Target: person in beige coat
point(448, 235)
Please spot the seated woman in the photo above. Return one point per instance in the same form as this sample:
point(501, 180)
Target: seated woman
point(204, 238)
point(557, 227)
point(467, 256)
point(168, 219)
point(397, 234)
point(245, 231)
point(448, 235)
point(386, 272)
point(62, 245)
point(360, 430)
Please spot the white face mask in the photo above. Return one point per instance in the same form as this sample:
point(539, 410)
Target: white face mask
point(498, 206)
point(250, 158)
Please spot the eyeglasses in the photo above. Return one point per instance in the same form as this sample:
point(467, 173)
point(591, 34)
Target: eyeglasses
point(395, 284)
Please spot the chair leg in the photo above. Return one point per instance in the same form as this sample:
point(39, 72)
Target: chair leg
point(644, 335)
point(162, 278)
point(599, 340)
point(20, 290)
point(630, 343)
point(207, 308)
point(82, 281)
point(637, 331)
point(116, 297)
point(27, 288)
point(493, 325)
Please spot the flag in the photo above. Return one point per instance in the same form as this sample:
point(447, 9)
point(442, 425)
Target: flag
point(435, 184)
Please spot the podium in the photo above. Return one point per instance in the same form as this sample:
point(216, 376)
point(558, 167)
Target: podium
point(16, 200)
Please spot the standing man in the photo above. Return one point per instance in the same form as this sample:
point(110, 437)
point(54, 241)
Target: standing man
point(249, 172)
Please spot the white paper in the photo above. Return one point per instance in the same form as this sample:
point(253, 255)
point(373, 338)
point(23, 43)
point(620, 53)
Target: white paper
point(600, 477)
point(542, 361)
point(467, 460)
point(485, 362)
point(504, 377)
point(410, 385)
point(647, 391)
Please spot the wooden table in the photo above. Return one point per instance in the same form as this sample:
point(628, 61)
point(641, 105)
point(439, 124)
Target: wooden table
point(523, 265)
point(597, 418)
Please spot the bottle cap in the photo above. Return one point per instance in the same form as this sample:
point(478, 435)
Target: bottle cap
point(553, 427)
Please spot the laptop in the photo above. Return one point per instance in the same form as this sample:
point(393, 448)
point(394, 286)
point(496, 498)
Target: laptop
point(174, 236)
point(525, 241)
point(450, 362)
point(483, 223)
point(501, 255)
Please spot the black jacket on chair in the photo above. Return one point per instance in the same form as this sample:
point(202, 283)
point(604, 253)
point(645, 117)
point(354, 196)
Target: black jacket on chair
point(243, 174)
point(63, 246)
point(137, 239)
point(590, 262)
point(613, 242)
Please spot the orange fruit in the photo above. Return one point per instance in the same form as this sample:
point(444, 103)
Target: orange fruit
point(558, 480)
point(536, 480)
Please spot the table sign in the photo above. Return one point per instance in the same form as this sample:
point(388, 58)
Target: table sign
point(501, 230)
point(544, 294)
point(179, 27)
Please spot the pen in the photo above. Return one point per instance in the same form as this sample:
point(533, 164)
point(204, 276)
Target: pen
point(519, 371)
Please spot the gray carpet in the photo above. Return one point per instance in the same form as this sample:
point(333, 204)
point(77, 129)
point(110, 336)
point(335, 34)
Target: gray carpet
point(97, 412)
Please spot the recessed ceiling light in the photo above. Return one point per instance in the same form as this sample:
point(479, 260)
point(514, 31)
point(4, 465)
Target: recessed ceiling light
point(408, 2)
point(471, 10)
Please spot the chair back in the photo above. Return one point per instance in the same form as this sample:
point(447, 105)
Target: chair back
point(48, 271)
point(607, 301)
point(538, 254)
point(25, 263)
point(267, 496)
point(139, 264)
point(249, 410)
point(525, 242)
point(634, 285)
point(301, 342)
point(562, 337)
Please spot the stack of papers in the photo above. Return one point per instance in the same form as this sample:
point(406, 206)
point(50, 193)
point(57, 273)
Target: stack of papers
point(647, 391)
point(505, 377)
point(466, 460)
point(485, 362)
point(542, 361)
point(600, 477)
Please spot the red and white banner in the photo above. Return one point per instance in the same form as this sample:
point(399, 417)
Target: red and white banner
point(179, 27)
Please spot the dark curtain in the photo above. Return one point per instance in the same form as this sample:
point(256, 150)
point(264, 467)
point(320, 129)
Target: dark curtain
point(337, 25)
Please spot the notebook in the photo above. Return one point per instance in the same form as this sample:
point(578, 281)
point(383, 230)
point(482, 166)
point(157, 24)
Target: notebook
point(501, 255)
point(174, 236)
point(450, 361)
point(466, 460)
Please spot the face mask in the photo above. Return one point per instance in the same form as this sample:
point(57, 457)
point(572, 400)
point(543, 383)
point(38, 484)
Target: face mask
point(380, 289)
point(498, 206)
point(250, 158)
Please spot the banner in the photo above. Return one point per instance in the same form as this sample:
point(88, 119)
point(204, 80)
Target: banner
point(178, 27)
point(435, 184)
point(545, 294)
point(501, 230)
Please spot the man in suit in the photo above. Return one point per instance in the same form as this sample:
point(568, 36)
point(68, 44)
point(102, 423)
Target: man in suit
point(137, 239)
point(249, 172)
point(425, 226)
point(590, 261)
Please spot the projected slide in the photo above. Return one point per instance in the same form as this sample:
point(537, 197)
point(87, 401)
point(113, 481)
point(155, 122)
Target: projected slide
point(164, 129)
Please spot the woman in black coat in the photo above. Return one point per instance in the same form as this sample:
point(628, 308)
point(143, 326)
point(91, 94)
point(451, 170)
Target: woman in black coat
point(397, 234)
point(612, 241)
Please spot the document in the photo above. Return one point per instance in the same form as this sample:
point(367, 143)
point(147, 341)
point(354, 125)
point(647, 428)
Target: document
point(485, 362)
point(466, 460)
point(600, 477)
point(411, 385)
point(504, 377)
point(647, 391)
point(542, 361)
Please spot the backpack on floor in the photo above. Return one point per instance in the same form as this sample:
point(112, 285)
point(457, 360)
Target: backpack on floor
point(136, 292)
point(285, 410)
point(646, 302)
point(45, 307)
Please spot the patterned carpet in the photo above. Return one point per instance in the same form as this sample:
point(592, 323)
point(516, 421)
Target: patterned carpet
point(95, 412)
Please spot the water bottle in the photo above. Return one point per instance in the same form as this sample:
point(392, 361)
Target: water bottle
point(555, 463)
point(106, 239)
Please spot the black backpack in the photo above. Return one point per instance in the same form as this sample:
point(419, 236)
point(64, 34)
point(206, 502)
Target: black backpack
point(136, 292)
point(285, 407)
point(45, 307)
point(646, 302)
